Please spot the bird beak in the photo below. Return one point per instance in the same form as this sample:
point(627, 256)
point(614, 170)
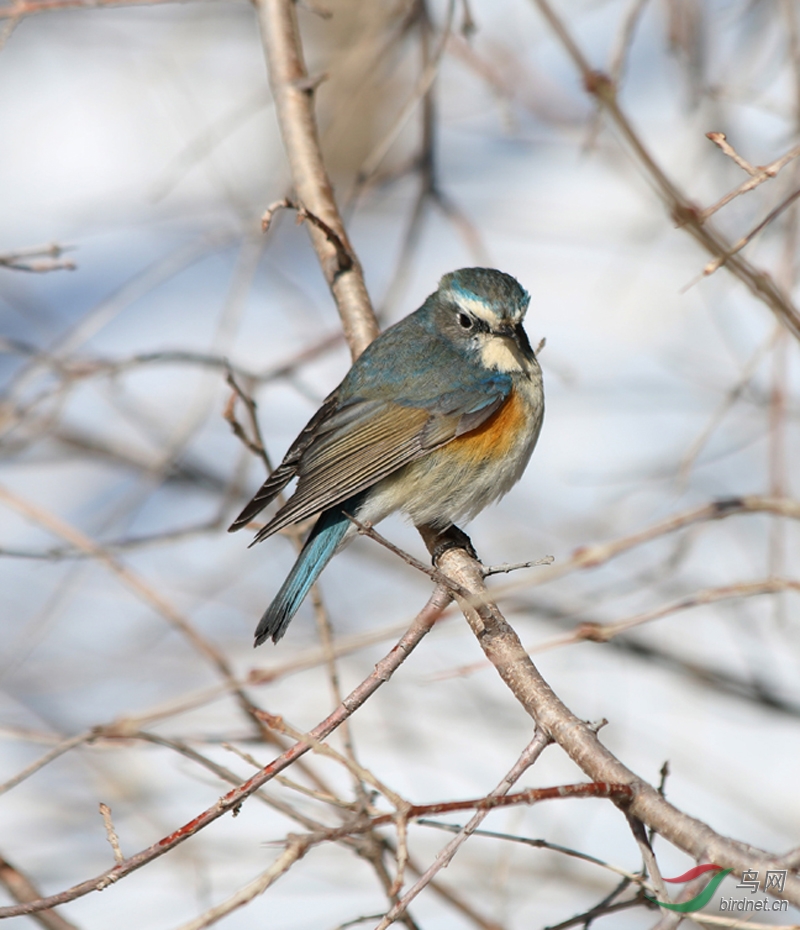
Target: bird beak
point(508, 330)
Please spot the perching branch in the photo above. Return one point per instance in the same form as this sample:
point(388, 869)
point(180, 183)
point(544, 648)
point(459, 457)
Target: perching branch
point(293, 93)
point(504, 650)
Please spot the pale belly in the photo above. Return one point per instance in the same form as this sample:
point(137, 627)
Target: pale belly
point(456, 481)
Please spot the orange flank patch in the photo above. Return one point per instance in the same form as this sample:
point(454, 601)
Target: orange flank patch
point(495, 437)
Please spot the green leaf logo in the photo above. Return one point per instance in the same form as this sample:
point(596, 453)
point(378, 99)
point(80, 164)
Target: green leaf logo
point(700, 900)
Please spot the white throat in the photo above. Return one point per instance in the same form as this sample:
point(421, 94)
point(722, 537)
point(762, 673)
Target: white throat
point(502, 354)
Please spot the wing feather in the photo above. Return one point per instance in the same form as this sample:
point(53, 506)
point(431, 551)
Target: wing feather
point(284, 473)
point(349, 445)
point(347, 463)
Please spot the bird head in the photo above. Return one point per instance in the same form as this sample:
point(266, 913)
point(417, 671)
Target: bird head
point(481, 311)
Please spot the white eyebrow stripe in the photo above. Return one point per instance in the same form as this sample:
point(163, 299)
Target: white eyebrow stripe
point(476, 307)
point(482, 310)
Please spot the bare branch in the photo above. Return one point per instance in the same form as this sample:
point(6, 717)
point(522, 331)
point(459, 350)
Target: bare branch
point(292, 854)
point(530, 754)
point(111, 833)
point(683, 211)
point(22, 889)
point(721, 260)
point(504, 650)
point(757, 174)
point(294, 100)
point(233, 800)
point(40, 258)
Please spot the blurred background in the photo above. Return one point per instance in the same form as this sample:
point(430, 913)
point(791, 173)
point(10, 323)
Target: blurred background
point(143, 143)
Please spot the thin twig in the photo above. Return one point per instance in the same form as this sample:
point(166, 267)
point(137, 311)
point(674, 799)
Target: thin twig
point(723, 259)
point(757, 174)
point(424, 83)
point(504, 650)
point(344, 254)
point(602, 632)
point(618, 59)
point(292, 854)
point(46, 759)
point(233, 800)
point(111, 833)
point(256, 444)
point(131, 580)
point(648, 858)
point(362, 774)
point(585, 919)
point(630, 877)
point(748, 371)
point(39, 258)
point(530, 754)
point(490, 802)
point(21, 889)
point(686, 214)
point(593, 556)
point(721, 140)
point(508, 567)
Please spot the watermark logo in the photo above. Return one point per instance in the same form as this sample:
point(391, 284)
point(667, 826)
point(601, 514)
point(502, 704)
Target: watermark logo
point(774, 880)
point(700, 900)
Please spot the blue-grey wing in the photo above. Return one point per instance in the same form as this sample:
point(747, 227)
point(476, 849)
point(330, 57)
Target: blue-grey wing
point(369, 441)
point(384, 415)
point(284, 473)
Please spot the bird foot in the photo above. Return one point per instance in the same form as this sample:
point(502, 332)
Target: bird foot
point(439, 541)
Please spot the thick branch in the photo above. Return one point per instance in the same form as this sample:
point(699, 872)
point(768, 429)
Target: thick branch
point(504, 650)
point(293, 91)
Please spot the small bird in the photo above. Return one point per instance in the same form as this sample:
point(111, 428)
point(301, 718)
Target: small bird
point(437, 418)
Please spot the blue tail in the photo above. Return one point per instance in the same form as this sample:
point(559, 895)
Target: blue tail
point(328, 533)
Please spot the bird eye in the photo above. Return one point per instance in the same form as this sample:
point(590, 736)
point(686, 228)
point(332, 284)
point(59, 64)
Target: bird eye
point(465, 321)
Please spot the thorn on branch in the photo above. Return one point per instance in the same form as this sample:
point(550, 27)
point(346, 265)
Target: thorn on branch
point(664, 773)
point(344, 257)
point(597, 725)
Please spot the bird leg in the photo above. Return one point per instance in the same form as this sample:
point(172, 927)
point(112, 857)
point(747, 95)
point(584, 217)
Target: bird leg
point(439, 541)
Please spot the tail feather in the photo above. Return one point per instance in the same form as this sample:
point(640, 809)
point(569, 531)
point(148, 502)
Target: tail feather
point(326, 537)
